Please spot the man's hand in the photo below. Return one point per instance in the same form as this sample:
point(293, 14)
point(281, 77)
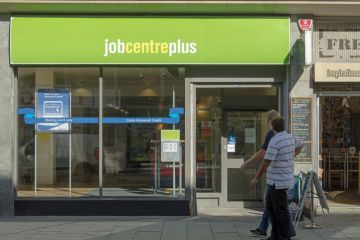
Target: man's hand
point(243, 166)
point(253, 183)
point(297, 151)
point(263, 167)
point(259, 155)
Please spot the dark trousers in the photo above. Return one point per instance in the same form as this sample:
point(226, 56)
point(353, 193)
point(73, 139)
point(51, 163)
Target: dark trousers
point(277, 204)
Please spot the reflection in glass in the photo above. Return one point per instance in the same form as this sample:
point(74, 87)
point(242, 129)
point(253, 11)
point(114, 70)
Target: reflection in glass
point(208, 140)
point(26, 140)
point(53, 149)
point(248, 128)
point(132, 164)
point(237, 117)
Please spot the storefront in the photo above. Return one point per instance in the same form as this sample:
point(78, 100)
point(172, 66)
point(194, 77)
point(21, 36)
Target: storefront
point(336, 79)
point(95, 95)
point(88, 88)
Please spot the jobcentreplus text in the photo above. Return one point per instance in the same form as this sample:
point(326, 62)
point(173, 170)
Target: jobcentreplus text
point(149, 47)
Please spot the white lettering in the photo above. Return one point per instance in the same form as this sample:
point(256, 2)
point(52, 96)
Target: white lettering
point(106, 53)
point(178, 46)
point(149, 47)
point(120, 46)
point(193, 48)
point(172, 49)
point(112, 47)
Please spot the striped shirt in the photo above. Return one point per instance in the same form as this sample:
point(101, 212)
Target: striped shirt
point(281, 153)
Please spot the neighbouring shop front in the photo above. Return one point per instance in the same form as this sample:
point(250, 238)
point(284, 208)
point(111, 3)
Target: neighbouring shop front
point(135, 114)
point(336, 78)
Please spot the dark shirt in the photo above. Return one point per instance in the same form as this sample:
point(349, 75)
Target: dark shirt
point(268, 137)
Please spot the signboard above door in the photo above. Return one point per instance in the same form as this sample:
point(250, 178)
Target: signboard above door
point(337, 72)
point(337, 42)
point(149, 40)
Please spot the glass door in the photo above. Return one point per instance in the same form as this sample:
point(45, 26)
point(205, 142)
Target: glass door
point(230, 127)
point(243, 132)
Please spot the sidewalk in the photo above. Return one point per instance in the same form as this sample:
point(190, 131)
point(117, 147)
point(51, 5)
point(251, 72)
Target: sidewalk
point(212, 224)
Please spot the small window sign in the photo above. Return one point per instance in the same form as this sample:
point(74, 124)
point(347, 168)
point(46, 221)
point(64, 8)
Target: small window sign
point(170, 146)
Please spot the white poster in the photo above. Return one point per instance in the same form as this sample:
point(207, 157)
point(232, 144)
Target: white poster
point(250, 135)
point(170, 147)
point(231, 147)
point(170, 151)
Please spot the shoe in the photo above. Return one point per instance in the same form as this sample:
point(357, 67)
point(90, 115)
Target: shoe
point(258, 232)
point(270, 238)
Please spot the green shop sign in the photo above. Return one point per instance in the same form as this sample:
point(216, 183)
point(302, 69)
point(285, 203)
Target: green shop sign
point(150, 40)
point(170, 135)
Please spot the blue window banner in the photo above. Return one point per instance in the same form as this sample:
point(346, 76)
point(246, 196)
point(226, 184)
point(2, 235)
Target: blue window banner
point(52, 104)
point(29, 118)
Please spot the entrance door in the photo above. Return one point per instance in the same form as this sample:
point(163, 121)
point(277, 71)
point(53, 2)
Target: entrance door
point(230, 127)
point(242, 135)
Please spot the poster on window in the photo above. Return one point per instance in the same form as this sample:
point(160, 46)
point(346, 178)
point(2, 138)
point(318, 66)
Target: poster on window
point(52, 103)
point(170, 146)
point(250, 135)
point(231, 143)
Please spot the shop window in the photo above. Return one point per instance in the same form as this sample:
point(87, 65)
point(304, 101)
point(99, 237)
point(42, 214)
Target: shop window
point(132, 165)
point(51, 172)
point(340, 145)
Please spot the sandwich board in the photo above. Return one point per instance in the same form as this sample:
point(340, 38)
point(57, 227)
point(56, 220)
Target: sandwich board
point(311, 181)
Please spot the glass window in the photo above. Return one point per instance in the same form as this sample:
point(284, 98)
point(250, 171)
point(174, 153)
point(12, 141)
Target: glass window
point(132, 154)
point(132, 161)
point(26, 139)
point(53, 173)
point(208, 139)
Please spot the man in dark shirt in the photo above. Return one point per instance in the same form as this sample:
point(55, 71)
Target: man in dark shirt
point(259, 156)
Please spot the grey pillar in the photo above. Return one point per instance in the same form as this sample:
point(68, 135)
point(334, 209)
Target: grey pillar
point(190, 148)
point(300, 85)
point(7, 122)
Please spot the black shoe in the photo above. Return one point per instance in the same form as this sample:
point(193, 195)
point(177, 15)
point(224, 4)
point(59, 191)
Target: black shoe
point(258, 232)
point(270, 238)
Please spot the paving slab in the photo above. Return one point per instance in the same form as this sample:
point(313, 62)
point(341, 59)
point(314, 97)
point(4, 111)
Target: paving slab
point(210, 226)
point(148, 236)
point(223, 227)
point(227, 236)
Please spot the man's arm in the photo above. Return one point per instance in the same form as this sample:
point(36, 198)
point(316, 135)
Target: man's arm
point(298, 146)
point(259, 155)
point(263, 167)
point(297, 151)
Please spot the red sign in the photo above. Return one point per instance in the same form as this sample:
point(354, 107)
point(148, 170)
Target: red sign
point(305, 24)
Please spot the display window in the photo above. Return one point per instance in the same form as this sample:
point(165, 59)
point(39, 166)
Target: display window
point(340, 145)
point(62, 159)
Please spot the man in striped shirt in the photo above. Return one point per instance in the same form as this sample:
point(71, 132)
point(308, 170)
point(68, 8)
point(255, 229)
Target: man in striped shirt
point(259, 155)
point(279, 163)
